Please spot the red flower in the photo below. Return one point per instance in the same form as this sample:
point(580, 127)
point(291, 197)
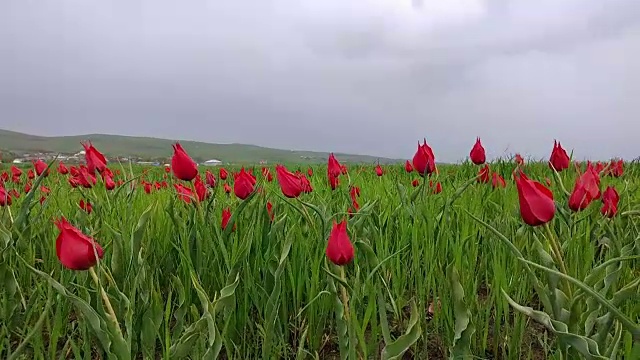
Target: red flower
point(267, 174)
point(41, 167)
point(74, 171)
point(585, 190)
point(184, 168)
point(519, 160)
point(4, 177)
point(62, 169)
point(498, 181)
point(610, 199)
point(27, 187)
point(536, 201)
point(333, 182)
point(354, 192)
point(109, 184)
point(306, 184)
point(616, 168)
point(379, 171)
point(15, 172)
point(437, 189)
point(559, 159)
point(227, 188)
point(310, 172)
point(167, 169)
point(31, 175)
point(86, 206)
point(408, 167)
point(484, 174)
point(477, 153)
point(184, 193)
point(415, 183)
point(339, 250)
point(84, 178)
point(201, 190)
point(210, 179)
point(270, 210)
point(75, 250)
point(147, 186)
point(5, 198)
point(424, 162)
point(94, 158)
point(223, 174)
point(226, 216)
point(243, 184)
point(290, 184)
point(334, 169)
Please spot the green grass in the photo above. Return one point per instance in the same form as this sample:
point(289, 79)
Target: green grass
point(153, 148)
point(182, 286)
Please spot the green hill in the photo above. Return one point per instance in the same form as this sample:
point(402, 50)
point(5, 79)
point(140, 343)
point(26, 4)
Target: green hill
point(154, 148)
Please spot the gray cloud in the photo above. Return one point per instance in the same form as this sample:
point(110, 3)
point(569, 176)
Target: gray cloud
point(352, 76)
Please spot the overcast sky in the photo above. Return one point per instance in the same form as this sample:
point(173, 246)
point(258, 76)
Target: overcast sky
point(360, 76)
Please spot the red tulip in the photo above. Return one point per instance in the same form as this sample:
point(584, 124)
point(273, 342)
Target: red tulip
point(74, 182)
point(333, 182)
point(547, 181)
point(484, 175)
point(306, 184)
point(45, 190)
point(147, 186)
point(267, 174)
point(334, 169)
point(424, 162)
point(379, 171)
point(31, 175)
point(5, 198)
point(27, 187)
point(270, 210)
point(14, 193)
point(157, 185)
point(408, 167)
point(243, 184)
point(109, 184)
point(310, 172)
point(610, 199)
point(477, 153)
point(41, 167)
point(62, 169)
point(415, 183)
point(15, 171)
point(94, 158)
point(617, 168)
point(201, 189)
point(354, 192)
point(184, 168)
point(226, 216)
point(559, 159)
point(210, 179)
point(437, 189)
point(339, 250)
point(167, 169)
point(184, 193)
point(519, 160)
point(498, 181)
point(86, 206)
point(585, 190)
point(536, 201)
point(290, 184)
point(75, 250)
point(223, 174)
point(227, 188)
point(4, 177)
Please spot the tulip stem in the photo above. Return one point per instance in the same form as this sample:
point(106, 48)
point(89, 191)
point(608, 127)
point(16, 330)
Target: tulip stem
point(110, 313)
point(556, 250)
point(344, 295)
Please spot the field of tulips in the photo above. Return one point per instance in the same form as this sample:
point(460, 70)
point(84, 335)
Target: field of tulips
point(512, 259)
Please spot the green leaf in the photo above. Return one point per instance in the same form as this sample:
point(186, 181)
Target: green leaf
point(464, 329)
point(395, 350)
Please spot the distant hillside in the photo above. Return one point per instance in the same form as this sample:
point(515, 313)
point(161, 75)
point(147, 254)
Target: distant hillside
point(153, 148)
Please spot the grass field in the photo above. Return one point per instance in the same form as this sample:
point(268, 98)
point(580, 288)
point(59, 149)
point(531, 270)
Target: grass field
point(435, 275)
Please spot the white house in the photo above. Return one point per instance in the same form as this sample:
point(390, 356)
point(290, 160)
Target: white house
point(212, 162)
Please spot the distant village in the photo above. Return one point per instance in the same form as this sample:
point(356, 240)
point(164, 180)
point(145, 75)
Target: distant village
point(78, 158)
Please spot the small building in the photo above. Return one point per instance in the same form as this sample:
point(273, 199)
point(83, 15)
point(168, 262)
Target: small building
point(212, 162)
